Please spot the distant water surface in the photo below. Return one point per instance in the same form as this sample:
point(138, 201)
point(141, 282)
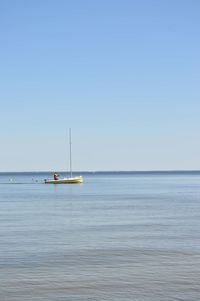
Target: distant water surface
point(119, 236)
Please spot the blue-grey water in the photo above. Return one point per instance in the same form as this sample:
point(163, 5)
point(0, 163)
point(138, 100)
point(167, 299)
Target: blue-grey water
point(118, 236)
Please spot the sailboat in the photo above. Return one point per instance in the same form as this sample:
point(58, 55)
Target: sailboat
point(71, 179)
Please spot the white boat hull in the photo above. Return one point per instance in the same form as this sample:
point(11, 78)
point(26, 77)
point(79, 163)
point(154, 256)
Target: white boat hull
point(74, 180)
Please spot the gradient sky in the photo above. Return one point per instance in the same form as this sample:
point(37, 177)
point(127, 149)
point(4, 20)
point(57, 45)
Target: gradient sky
point(124, 75)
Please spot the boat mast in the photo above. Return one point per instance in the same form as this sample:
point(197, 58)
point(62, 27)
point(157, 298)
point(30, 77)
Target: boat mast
point(70, 152)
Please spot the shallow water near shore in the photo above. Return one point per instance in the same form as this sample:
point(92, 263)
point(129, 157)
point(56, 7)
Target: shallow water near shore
point(118, 236)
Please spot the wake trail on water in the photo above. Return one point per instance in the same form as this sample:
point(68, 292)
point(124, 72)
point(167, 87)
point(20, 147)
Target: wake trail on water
point(21, 183)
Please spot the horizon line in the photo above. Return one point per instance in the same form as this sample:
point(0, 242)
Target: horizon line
point(104, 171)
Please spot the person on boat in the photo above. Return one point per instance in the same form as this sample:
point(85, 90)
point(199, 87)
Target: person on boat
point(56, 176)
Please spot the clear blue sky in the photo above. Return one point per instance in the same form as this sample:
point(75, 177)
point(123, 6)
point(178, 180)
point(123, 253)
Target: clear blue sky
point(124, 75)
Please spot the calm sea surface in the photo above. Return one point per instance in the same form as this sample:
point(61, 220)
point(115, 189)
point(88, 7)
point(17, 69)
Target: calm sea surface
point(118, 236)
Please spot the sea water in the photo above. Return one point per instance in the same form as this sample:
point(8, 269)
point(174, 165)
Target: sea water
point(117, 236)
